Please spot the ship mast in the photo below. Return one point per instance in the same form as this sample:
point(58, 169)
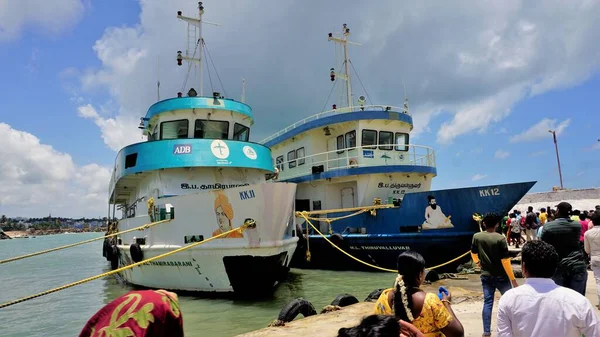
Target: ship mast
point(195, 42)
point(343, 40)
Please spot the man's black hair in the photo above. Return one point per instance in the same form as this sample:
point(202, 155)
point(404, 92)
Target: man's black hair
point(543, 210)
point(490, 220)
point(540, 259)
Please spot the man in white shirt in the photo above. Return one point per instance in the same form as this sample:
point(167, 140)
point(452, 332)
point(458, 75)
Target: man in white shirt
point(540, 308)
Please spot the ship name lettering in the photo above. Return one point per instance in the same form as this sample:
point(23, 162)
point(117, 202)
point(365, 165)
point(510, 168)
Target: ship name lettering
point(489, 192)
point(380, 247)
point(244, 195)
point(398, 186)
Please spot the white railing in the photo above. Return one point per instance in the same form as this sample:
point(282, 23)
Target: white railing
point(360, 156)
point(331, 113)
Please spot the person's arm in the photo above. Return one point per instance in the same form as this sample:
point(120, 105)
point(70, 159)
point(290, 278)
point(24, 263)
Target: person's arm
point(475, 251)
point(506, 263)
point(454, 328)
point(409, 330)
point(503, 322)
point(590, 323)
point(586, 244)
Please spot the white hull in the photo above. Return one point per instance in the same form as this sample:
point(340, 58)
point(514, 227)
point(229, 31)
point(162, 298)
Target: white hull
point(257, 258)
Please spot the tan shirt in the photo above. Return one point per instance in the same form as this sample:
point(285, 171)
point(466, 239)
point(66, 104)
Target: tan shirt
point(591, 243)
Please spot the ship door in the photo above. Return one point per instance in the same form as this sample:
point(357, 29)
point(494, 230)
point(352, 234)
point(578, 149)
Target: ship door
point(332, 157)
point(347, 197)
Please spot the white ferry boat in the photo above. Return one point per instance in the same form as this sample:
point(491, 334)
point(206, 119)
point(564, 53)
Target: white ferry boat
point(198, 169)
point(359, 153)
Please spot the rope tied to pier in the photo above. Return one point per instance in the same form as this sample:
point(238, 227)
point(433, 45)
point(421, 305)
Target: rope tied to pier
point(140, 228)
point(304, 214)
point(112, 272)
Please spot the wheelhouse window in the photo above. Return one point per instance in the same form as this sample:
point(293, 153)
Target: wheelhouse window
point(351, 139)
point(241, 132)
point(300, 156)
point(174, 129)
point(402, 141)
point(279, 163)
point(369, 137)
point(211, 129)
point(340, 143)
point(291, 156)
point(386, 140)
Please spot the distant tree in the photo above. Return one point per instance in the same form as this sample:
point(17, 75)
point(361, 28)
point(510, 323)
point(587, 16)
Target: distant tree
point(3, 219)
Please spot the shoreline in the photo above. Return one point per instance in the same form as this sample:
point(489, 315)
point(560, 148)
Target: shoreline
point(466, 304)
point(41, 232)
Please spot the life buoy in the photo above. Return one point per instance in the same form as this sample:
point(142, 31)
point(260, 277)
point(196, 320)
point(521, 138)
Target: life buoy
point(352, 162)
point(344, 300)
point(374, 295)
point(114, 257)
point(137, 254)
point(295, 308)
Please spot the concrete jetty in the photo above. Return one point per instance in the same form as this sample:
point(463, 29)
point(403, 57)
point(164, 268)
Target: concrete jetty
point(467, 305)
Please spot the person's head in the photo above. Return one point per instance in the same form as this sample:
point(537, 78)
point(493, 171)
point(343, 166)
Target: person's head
point(373, 326)
point(576, 212)
point(539, 259)
point(529, 209)
point(411, 274)
point(595, 218)
point(582, 216)
point(512, 215)
point(158, 310)
point(491, 220)
point(432, 201)
point(543, 210)
point(537, 213)
point(223, 211)
point(563, 210)
point(516, 211)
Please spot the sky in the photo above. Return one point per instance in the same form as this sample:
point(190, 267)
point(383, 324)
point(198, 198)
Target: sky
point(485, 82)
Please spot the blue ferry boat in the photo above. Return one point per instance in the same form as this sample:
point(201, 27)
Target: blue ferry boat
point(359, 153)
point(198, 170)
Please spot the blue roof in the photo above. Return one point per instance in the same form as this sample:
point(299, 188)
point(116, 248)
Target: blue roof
point(340, 118)
point(179, 103)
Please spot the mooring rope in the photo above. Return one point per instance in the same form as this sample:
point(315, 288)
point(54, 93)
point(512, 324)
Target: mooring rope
point(181, 249)
point(140, 228)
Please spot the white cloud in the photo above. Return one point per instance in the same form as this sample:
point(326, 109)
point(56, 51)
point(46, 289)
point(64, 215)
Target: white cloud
point(117, 132)
point(50, 17)
point(36, 179)
point(538, 153)
point(470, 62)
point(501, 154)
point(540, 130)
point(479, 177)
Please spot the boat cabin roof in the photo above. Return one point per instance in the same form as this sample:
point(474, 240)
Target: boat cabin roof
point(184, 103)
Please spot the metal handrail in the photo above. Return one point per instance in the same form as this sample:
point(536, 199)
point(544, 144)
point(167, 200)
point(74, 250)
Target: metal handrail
point(416, 155)
point(332, 112)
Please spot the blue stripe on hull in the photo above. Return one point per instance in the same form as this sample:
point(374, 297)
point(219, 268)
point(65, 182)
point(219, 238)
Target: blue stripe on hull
point(395, 230)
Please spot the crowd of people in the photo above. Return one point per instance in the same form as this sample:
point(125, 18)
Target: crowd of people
point(551, 302)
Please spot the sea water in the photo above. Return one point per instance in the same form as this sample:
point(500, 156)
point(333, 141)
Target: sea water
point(65, 313)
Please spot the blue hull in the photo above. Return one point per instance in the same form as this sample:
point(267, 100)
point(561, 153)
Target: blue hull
point(398, 229)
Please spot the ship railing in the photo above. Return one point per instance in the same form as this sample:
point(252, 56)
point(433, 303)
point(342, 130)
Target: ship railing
point(332, 112)
point(359, 156)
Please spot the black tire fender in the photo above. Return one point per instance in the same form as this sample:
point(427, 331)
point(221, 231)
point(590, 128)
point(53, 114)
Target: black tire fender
point(431, 276)
point(137, 254)
point(344, 300)
point(374, 295)
point(295, 308)
point(114, 257)
point(106, 250)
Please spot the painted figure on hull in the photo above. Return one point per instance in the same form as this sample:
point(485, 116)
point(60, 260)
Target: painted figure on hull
point(434, 217)
point(224, 214)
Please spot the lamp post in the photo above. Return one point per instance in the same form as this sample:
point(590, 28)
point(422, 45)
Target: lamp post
point(557, 157)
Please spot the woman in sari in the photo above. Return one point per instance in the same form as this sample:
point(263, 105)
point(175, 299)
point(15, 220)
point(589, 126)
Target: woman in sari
point(430, 315)
point(381, 326)
point(145, 313)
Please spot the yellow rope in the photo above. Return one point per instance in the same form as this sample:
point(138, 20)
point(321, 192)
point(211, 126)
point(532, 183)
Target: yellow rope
point(303, 214)
point(140, 228)
point(350, 209)
point(23, 299)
